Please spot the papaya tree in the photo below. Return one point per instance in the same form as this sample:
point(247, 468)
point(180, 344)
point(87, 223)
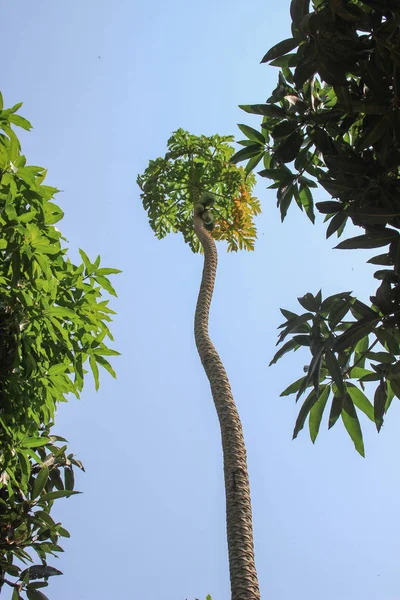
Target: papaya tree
point(194, 190)
point(53, 323)
point(334, 120)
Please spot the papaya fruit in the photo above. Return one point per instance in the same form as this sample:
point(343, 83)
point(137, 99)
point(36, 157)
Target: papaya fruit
point(207, 217)
point(208, 199)
point(199, 208)
point(209, 226)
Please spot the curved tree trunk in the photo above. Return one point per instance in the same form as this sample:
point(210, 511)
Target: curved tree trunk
point(243, 574)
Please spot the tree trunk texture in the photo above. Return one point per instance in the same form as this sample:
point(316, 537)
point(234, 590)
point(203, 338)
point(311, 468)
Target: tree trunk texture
point(243, 574)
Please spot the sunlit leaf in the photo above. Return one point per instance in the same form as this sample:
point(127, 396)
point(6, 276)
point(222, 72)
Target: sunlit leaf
point(317, 411)
point(352, 424)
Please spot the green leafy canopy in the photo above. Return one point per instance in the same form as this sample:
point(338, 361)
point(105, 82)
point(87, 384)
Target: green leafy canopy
point(54, 320)
point(192, 166)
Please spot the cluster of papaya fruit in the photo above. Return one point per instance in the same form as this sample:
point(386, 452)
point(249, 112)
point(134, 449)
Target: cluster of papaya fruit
point(203, 208)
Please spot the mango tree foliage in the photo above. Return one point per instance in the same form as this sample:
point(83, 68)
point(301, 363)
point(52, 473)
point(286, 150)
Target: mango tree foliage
point(334, 120)
point(200, 164)
point(54, 321)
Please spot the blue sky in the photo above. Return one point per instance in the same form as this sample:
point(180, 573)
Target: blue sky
point(104, 85)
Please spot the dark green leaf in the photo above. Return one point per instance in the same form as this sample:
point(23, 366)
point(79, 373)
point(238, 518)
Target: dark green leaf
point(69, 478)
point(304, 71)
point(354, 333)
point(336, 410)
point(303, 340)
point(334, 370)
point(335, 223)
point(359, 309)
point(382, 259)
point(284, 128)
point(369, 240)
point(289, 315)
point(35, 595)
point(337, 313)
point(329, 302)
point(309, 302)
point(298, 9)
point(313, 373)
point(374, 134)
point(379, 404)
point(329, 207)
point(40, 482)
point(285, 196)
point(288, 149)
point(268, 110)
point(294, 387)
point(370, 377)
point(280, 174)
point(395, 386)
point(306, 200)
point(253, 162)
point(384, 357)
point(57, 494)
point(280, 49)
point(40, 572)
point(350, 165)
point(305, 409)
point(252, 134)
point(294, 325)
point(245, 153)
point(285, 348)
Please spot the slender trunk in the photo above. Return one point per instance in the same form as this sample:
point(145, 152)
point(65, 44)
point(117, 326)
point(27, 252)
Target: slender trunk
point(243, 574)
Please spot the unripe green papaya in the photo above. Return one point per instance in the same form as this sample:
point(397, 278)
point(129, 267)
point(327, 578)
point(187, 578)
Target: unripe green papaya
point(207, 217)
point(199, 208)
point(209, 226)
point(208, 199)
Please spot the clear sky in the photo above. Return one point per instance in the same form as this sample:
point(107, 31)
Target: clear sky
point(104, 84)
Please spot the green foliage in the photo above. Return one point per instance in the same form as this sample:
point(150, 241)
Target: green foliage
point(333, 120)
point(352, 346)
point(197, 170)
point(26, 498)
point(53, 321)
